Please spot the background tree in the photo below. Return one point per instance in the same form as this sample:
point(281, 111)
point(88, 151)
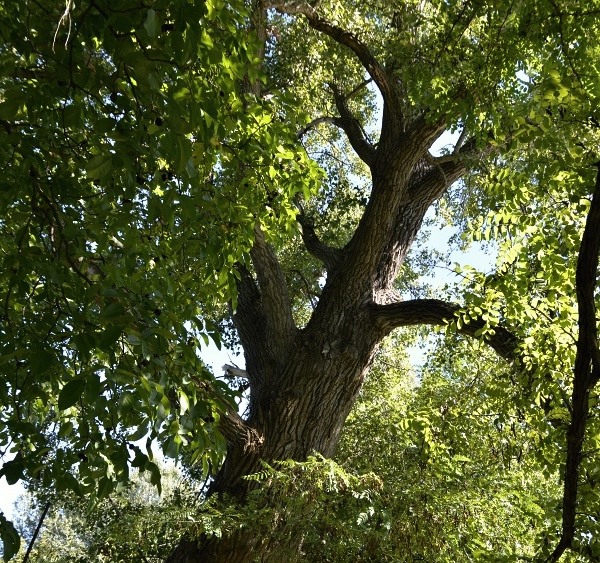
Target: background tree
point(133, 524)
point(156, 170)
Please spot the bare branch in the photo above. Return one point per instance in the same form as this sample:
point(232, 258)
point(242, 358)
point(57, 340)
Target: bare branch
point(438, 312)
point(358, 88)
point(352, 127)
point(329, 256)
point(315, 123)
point(233, 371)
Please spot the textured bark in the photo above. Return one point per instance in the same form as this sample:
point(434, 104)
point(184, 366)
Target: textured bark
point(303, 383)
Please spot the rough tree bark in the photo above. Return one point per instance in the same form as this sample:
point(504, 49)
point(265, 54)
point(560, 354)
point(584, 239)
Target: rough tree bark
point(303, 382)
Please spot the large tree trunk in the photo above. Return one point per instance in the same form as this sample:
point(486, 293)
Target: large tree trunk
point(303, 382)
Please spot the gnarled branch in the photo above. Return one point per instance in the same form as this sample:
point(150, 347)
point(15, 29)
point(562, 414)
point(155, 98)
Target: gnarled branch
point(236, 431)
point(437, 173)
point(438, 312)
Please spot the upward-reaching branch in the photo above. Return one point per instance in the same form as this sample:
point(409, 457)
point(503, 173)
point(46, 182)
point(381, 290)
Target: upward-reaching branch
point(275, 301)
point(587, 368)
point(350, 40)
point(351, 126)
point(328, 255)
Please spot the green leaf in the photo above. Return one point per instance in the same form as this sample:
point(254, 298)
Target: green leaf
point(154, 475)
point(13, 471)
point(140, 433)
point(41, 360)
point(105, 487)
point(184, 403)
point(110, 335)
point(11, 542)
point(65, 429)
point(110, 312)
point(70, 393)
point(12, 100)
point(99, 166)
point(151, 24)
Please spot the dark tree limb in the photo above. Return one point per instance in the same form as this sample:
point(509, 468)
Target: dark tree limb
point(438, 312)
point(36, 532)
point(585, 281)
point(327, 255)
point(586, 370)
point(352, 127)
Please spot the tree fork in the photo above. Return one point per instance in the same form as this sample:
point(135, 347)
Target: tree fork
point(303, 383)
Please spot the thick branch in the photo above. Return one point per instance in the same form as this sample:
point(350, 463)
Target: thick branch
point(275, 302)
point(329, 256)
point(249, 322)
point(587, 368)
point(437, 173)
point(437, 312)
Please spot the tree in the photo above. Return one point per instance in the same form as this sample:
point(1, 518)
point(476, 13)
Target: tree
point(134, 524)
point(159, 168)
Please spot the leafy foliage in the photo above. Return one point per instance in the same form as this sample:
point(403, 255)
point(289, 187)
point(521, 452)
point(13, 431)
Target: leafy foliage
point(158, 157)
point(122, 124)
point(133, 524)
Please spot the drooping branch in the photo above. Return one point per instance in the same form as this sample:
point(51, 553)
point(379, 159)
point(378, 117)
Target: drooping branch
point(438, 312)
point(587, 368)
point(328, 255)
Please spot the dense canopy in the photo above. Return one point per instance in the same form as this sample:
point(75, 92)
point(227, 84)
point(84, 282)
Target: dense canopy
point(266, 174)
